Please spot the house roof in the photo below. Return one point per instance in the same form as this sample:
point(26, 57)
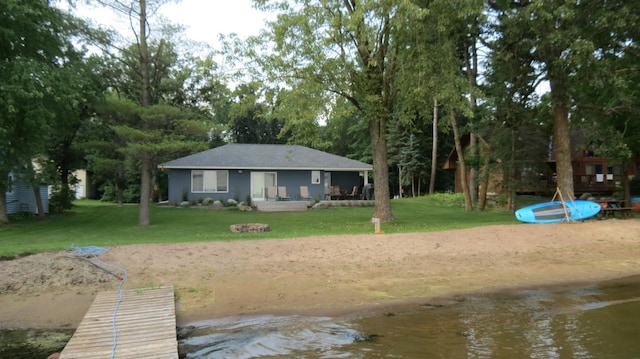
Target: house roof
point(266, 157)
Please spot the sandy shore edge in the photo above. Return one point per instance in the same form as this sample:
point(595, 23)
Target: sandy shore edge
point(341, 275)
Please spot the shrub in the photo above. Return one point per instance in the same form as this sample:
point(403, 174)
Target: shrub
point(61, 199)
point(19, 216)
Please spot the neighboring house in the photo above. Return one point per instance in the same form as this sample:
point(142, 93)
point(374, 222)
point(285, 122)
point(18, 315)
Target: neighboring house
point(597, 175)
point(235, 171)
point(83, 188)
point(20, 197)
point(591, 174)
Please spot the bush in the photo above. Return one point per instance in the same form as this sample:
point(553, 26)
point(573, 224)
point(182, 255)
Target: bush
point(131, 194)
point(61, 199)
point(19, 216)
point(448, 199)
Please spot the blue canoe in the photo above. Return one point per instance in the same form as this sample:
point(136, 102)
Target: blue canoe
point(552, 212)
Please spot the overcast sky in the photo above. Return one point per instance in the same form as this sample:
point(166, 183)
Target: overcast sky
point(204, 19)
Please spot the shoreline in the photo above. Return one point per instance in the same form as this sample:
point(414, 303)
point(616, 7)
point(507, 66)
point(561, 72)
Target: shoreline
point(330, 275)
point(410, 304)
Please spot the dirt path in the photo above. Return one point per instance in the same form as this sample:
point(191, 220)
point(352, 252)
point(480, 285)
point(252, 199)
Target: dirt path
point(322, 275)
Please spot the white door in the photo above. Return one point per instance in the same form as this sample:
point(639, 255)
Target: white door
point(327, 183)
point(259, 183)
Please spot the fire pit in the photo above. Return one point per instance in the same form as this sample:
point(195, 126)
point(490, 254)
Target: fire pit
point(249, 227)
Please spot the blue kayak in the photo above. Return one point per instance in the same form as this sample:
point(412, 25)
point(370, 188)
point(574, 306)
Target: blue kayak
point(552, 212)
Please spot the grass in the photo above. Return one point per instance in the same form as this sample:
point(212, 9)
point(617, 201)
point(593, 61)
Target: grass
point(93, 223)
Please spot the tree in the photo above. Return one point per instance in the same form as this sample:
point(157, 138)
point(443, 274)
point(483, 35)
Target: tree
point(324, 49)
point(78, 90)
point(32, 39)
point(249, 118)
point(155, 130)
point(412, 163)
point(433, 70)
point(556, 38)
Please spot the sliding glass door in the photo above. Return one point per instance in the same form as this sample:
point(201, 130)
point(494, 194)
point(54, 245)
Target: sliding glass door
point(259, 183)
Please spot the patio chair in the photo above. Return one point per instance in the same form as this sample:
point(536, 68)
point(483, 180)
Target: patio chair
point(336, 193)
point(354, 193)
point(282, 193)
point(271, 193)
point(304, 193)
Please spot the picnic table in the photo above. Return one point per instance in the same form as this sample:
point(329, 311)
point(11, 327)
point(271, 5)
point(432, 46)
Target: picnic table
point(613, 206)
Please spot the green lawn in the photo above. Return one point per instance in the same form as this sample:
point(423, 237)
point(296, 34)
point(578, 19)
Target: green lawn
point(93, 223)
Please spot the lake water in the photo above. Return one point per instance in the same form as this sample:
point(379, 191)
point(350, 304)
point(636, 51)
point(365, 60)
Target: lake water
point(588, 321)
point(582, 321)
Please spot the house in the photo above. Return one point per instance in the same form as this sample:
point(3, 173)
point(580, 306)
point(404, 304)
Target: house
point(598, 175)
point(20, 196)
point(237, 171)
point(83, 188)
point(591, 174)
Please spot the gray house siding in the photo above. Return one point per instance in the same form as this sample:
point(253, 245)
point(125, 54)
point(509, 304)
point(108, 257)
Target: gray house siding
point(240, 184)
point(292, 165)
point(22, 199)
point(294, 179)
point(180, 187)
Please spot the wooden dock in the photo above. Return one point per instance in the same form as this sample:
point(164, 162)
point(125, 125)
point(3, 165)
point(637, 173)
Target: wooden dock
point(145, 326)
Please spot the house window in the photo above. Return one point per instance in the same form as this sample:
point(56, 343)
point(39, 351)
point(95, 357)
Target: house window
point(590, 169)
point(315, 177)
point(617, 170)
point(209, 181)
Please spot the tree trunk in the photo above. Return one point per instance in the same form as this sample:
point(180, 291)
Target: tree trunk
point(463, 170)
point(399, 181)
point(120, 194)
point(145, 189)
point(434, 149)
point(413, 185)
point(39, 206)
point(380, 170)
point(562, 144)
point(483, 175)
point(472, 66)
point(558, 82)
point(4, 218)
point(511, 175)
point(145, 101)
point(473, 171)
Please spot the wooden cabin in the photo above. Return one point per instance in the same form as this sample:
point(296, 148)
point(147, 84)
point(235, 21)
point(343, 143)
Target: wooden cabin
point(591, 174)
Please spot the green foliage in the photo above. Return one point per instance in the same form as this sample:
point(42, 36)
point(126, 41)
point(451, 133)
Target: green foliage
point(128, 194)
point(455, 200)
point(250, 121)
point(21, 216)
point(60, 199)
point(31, 44)
point(104, 224)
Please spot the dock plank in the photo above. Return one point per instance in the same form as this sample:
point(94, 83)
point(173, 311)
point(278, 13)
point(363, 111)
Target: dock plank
point(145, 323)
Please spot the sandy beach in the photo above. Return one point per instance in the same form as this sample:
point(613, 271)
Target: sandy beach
point(323, 275)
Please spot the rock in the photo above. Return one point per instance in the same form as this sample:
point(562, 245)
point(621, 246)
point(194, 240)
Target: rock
point(218, 205)
point(185, 204)
point(249, 228)
point(207, 201)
